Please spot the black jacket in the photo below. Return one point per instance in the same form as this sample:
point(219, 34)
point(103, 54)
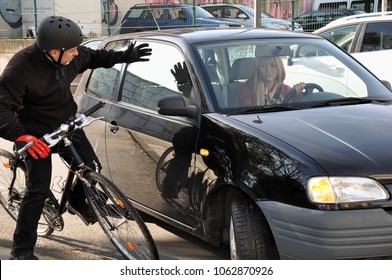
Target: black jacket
point(35, 97)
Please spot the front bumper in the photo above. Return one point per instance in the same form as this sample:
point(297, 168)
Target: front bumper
point(313, 234)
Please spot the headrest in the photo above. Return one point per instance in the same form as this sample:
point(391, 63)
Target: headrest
point(242, 68)
point(273, 50)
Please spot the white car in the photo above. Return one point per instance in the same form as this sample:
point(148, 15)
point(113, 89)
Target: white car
point(367, 37)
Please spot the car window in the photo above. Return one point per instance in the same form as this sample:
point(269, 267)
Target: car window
point(164, 74)
point(342, 36)
point(230, 66)
point(103, 82)
point(93, 44)
point(176, 13)
point(216, 11)
point(233, 12)
point(378, 36)
point(135, 13)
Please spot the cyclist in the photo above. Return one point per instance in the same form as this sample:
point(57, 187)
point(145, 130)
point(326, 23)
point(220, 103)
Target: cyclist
point(35, 98)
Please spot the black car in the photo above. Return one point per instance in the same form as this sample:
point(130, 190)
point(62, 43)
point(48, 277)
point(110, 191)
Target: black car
point(312, 20)
point(147, 17)
point(302, 178)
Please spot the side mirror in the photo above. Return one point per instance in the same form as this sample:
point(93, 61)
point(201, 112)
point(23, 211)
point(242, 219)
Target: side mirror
point(388, 84)
point(242, 16)
point(174, 105)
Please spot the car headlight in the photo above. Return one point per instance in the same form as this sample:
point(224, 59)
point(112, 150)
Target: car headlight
point(345, 190)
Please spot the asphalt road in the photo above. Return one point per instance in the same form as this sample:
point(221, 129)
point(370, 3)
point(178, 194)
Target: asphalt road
point(80, 242)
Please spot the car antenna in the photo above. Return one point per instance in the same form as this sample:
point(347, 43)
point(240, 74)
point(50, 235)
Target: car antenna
point(156, 23)
point(115, 30)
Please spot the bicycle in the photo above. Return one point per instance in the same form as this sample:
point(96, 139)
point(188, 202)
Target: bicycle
point(117, 217)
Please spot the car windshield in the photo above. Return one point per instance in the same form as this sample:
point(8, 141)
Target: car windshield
point(286, 73)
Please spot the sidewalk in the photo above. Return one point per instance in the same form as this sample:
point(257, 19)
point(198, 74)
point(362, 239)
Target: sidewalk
point(5, 254)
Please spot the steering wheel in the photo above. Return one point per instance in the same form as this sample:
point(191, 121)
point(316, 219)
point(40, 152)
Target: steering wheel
point(308, 89)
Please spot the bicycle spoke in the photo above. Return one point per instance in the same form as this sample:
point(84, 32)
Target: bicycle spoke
point(120, 221)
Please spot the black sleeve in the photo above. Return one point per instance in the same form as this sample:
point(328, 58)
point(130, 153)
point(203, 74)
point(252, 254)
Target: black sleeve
point(99, 58)
point(11, 95)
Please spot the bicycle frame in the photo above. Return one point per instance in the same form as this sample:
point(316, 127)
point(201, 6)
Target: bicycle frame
point(117, 217)
point(76, 168)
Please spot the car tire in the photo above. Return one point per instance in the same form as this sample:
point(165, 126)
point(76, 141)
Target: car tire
point(250, 235)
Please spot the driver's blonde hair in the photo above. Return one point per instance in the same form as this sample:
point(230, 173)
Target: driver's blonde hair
point(256, 84)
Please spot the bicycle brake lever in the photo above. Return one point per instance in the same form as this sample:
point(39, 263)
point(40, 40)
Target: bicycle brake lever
point(87, 122)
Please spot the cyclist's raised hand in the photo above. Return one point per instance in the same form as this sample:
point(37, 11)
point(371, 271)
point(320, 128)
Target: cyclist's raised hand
point(38, 150)
point(136, 53)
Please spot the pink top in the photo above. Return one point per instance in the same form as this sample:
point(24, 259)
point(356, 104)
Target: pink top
point(247, 96)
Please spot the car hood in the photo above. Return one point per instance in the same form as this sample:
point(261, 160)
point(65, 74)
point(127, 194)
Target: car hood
point(272, 22)
point(346, 140)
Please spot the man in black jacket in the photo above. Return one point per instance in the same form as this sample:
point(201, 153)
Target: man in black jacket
point(35, 98)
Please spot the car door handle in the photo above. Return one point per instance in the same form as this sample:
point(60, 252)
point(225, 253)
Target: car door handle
point(113, 127)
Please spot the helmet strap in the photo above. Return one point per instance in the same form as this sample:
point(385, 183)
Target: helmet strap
point(59, 68)
point(58, 62)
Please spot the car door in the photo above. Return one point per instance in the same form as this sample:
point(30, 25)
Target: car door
point(150, 155)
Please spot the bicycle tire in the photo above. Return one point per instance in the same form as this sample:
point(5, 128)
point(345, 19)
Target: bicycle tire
point(120, 221)
point(12, 206)
point(162, 164)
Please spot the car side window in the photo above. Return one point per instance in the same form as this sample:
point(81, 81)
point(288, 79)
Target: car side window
point(176, 14)
point(378, 36)
point(103, 82)
point(164, 74)
point(215, 11)
point(232, 12)
point(343, 36)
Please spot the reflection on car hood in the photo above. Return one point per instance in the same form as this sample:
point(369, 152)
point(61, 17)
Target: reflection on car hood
point(343, 140)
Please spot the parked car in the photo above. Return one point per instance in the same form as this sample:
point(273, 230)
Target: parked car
point(368, 37)
point(308, 179)
point(144, 17)
point(312, 20)
point(244, 15)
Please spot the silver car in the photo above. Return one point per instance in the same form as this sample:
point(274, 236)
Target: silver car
point(244, 15)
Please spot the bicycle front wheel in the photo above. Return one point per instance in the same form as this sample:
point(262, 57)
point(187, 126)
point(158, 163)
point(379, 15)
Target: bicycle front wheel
point(117, 217)
point(12, 201)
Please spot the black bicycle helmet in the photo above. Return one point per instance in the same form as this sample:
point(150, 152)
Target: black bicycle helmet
point(56, 32)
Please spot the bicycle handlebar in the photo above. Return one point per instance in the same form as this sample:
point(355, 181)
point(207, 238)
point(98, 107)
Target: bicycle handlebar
point(95, 108)
point(77, 122)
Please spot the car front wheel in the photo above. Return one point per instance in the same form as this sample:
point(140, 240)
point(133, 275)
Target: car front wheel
point(250, 235)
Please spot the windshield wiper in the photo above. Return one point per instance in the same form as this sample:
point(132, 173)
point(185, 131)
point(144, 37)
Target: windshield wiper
point(267, 108)
point(342, 101)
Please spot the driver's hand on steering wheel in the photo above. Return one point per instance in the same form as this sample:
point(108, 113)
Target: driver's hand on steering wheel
point(299, 87)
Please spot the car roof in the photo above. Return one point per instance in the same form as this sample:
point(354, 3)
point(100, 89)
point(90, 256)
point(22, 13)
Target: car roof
point(223, 4)
point(366, 17)
point(202, 35)
point(168, 4)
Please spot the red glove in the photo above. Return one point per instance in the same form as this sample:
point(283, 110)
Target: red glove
point(38, 149)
